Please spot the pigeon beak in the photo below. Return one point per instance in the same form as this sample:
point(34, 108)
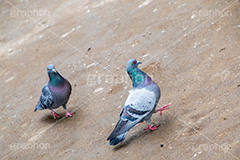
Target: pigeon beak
point(54, 70)
point(139, 63)
point(35, 109)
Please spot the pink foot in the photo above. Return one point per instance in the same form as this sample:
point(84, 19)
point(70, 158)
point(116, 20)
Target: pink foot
point(162, 109)
point(55, 114)
point(68, 114)
point(152, 128)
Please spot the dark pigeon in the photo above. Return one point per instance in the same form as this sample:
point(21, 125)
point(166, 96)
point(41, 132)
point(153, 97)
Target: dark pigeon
point(55, 93)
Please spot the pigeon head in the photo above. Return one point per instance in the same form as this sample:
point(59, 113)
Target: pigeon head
point(51, 69)
point(136, 75)
point(132, 64)
point(54, 76)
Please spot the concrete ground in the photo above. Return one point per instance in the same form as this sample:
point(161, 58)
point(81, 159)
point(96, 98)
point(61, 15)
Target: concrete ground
point(190, 49)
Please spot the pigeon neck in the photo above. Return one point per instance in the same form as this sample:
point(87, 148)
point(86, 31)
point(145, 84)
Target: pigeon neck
point(138, 77)
point(56, 79)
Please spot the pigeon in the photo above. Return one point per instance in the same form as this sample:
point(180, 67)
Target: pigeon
point(55, 93)
point(140, 104)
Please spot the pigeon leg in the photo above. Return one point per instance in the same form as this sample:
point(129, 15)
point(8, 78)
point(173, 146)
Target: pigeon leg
point(55, 114)
point(67, 113)
point(162, 109)
point(152, 128)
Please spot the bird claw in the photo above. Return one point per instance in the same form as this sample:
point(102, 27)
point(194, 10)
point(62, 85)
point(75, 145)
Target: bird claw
point(162, 109)
point(69, 114)
point(152, 128)
point(55, 114)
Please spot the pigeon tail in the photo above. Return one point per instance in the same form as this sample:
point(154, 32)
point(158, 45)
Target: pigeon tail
point(39, 106)
point(118, 139)
point(122, 126)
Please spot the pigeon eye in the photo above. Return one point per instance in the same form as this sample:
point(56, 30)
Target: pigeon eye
point(49, 69)
point(134, 62)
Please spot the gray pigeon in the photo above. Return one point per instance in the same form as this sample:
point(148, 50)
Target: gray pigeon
point(55, 93)
point(140, 104)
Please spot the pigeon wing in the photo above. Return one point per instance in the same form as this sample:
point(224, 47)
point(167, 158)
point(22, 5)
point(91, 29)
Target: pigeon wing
point(139, 104)
point(46, 98)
